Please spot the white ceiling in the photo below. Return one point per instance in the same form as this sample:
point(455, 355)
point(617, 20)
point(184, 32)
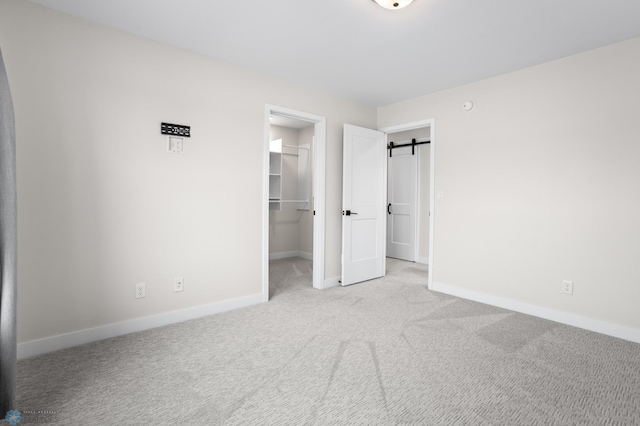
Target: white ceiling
point(290, 122)
point(358, 50)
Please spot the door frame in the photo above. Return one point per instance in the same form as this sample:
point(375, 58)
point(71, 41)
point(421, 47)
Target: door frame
point(431, 123)
point(318, 192)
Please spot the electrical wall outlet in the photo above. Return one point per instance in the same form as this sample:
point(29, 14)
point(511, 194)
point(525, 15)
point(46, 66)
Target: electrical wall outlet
point(140, 291)
point(178, 284)
point(567, 287)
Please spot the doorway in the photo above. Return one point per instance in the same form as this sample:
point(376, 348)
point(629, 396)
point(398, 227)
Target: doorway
point(424, 191)
point(408, 188)
point(294, 140)
point(366, 147)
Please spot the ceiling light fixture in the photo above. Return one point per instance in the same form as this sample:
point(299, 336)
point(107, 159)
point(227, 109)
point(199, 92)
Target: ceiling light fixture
point(393, 4)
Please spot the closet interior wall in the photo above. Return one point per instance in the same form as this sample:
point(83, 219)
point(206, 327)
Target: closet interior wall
point(291, 229)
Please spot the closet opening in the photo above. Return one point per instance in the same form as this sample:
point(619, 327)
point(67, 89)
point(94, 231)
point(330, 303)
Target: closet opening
point(290, 205)
point(294, 219)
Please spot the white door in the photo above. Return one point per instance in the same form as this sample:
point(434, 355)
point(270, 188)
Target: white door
point(402, 169)
point(363, 204)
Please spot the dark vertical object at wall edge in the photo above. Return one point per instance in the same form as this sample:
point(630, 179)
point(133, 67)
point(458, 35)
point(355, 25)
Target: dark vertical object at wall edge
point(8, 247)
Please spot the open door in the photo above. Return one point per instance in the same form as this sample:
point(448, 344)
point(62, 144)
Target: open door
point(364, 184)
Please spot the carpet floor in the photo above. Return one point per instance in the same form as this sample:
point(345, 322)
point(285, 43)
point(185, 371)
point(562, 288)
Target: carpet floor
point(383, 352)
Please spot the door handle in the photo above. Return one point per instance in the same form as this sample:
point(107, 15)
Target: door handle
point(389, 208)
point(349, 213)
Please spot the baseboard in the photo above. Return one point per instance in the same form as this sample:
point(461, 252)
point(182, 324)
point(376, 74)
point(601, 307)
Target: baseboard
point(423, 260)
point(305, 255)
point(68, 340)
point(614, 330)
point(288, 254)
point(331, 282)
point(282, 255)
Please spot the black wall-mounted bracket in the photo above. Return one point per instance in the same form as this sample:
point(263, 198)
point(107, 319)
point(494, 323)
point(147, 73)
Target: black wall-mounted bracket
point(175, 130)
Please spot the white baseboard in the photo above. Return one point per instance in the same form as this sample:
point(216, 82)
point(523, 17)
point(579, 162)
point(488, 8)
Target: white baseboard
point(305, 255)
point(288, 254)
point(282, 255)
point(423, 260)
point(68, 340)
point(614, 330)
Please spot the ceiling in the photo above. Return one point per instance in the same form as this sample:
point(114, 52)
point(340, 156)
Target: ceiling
point(290, 122)
point(358, 50)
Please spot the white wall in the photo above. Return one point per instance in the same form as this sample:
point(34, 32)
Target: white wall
point(103, 206)
point(540, 183)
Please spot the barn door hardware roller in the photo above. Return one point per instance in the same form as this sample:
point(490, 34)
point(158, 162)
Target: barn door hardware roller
point(412, 144)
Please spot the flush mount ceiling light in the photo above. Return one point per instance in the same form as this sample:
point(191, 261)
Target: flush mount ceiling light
point(393, 4)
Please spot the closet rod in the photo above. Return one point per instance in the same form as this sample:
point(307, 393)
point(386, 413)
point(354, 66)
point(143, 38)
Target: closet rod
point(288, 201)
point(295, 146)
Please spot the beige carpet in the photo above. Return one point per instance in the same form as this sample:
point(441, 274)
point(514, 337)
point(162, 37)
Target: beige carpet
point(384, 352)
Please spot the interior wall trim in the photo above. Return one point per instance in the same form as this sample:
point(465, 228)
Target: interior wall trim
point(77, 338)
point(614, 330)
point(288, 254)
point(282, 255)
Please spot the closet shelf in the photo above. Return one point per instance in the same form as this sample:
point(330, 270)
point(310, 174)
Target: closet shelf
point(275, 174)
